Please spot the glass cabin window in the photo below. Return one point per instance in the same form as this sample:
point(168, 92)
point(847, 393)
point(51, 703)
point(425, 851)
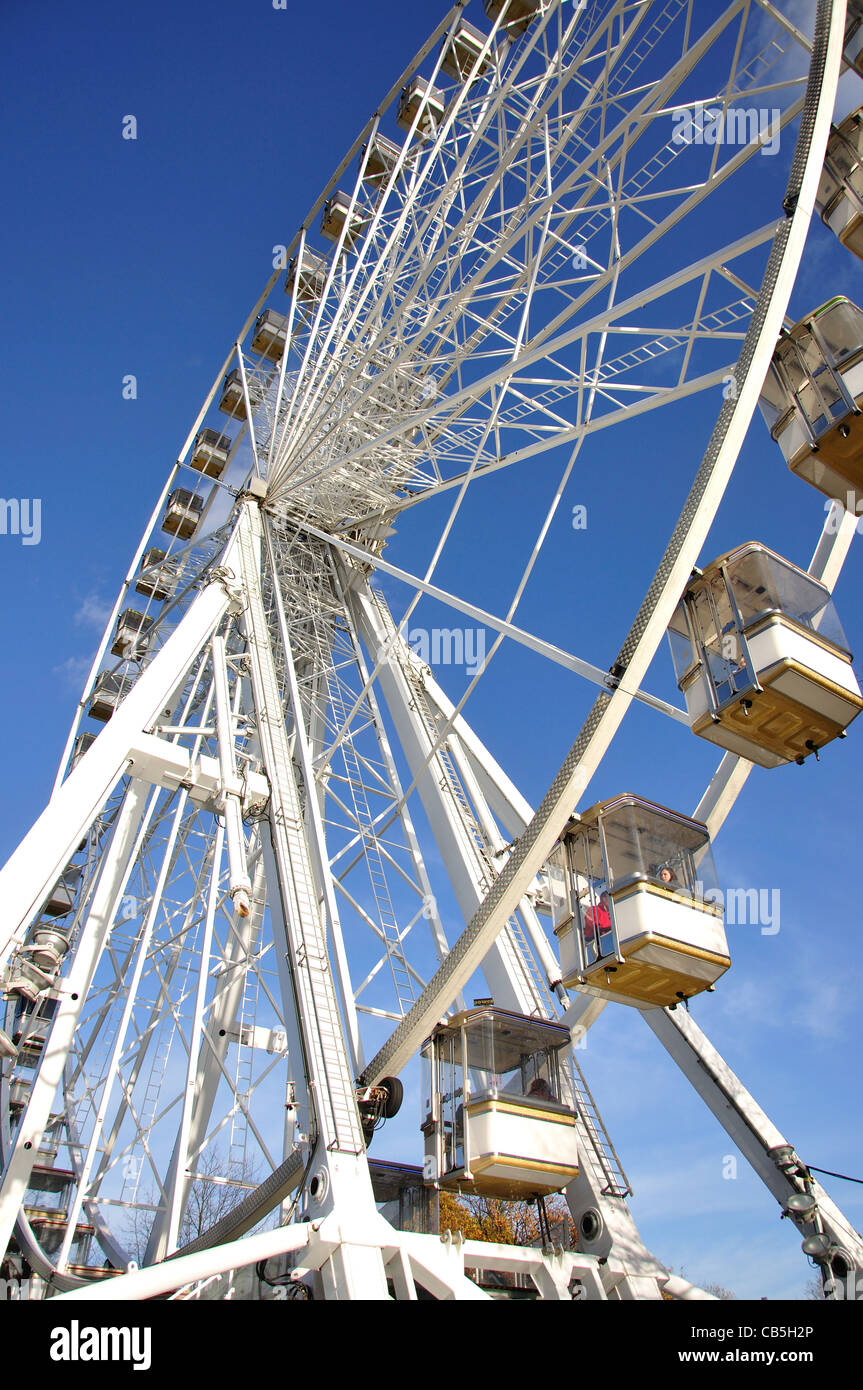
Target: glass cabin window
point(450, 1084)
point(683, 653)
point(646, 843)
point(774, 401)
point(716, 624)
point(814, 384)
point(799, 367)
point(595, 912)
point(512, 1057)
point(763, 583)
point(841, 327)
point(557, 878)
point(842, 153)
point(428, 1083)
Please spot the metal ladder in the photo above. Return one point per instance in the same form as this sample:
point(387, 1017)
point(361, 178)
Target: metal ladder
point(318, 1011)
point(512, 939)
point(616, 1181)
point(244, 1069)
point(665, 156)
point(642, 49)
point(158, 1069)
point(386, 916)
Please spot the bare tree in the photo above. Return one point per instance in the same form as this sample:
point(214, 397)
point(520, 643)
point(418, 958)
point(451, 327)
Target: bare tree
point(216, 1189)
point(214, 1192)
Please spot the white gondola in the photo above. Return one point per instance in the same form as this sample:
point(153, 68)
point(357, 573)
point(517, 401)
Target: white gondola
point(840, 193)
point(854, 35)
point(462, 52)
point(210, 452)
point(762, 659)
point(495, 1118)
point(182, 513)
point(519, 13)
point(635, 905)
point(49, 1225)
point(309, 276)
point(813, 396)
point(108, 691)
point(337, 215)
point(233, 401)
point(82, 743)
point(153, 582)
point(44, 1176)
point(61, 899)
point(131, 634)
point(270, 334)
point(382, 157)
point(19, 1093)
point(421, 96)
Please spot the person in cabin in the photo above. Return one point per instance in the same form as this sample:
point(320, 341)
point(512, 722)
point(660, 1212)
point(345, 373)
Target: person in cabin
point(667, 876)
point(597, 920)
point(540, 1089)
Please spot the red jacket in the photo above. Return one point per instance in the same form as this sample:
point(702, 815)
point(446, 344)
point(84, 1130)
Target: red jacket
point(596, 917)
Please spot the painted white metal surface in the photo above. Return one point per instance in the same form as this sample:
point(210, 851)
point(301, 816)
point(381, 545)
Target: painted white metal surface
point(278, 682)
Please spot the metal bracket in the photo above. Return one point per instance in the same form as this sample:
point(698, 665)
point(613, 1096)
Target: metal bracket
point(233, 588)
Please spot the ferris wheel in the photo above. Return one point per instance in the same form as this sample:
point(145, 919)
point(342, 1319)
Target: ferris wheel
point(279, 863)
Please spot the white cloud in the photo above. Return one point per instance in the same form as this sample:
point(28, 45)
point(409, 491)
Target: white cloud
point(73, 672)
point(92, 612)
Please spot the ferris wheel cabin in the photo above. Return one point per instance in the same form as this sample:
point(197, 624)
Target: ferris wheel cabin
point(308, 275)
point(153, 582)
point(420, 96)
point(46, 945)
point(182, 513)
point(840, 193)
point(210, 451)
point(634, 902)
point(108, 691)
point(270, 334)
point(762, 659)
point(232, 400)
point(497, 1118)
point(519, 13)
point(130, 637)
point(82, 744)
point(462, 53)
point(61, 899)
point(854, 35)
point(812, 399)
point(381, 156)
point(337, 215)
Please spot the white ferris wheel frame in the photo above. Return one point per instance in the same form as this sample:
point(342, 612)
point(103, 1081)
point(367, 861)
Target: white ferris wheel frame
point(352, 1249)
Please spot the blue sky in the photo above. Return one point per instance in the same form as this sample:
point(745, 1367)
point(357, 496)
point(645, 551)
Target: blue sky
point(144, 257)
